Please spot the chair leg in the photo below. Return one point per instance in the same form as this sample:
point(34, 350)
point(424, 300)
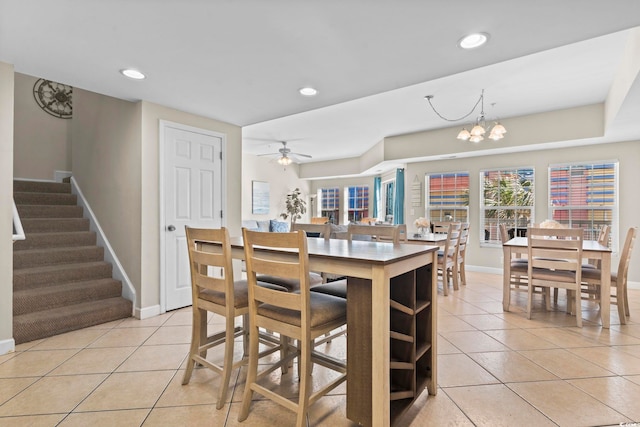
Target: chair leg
point(252, 373)
point(227, 364)
point(455, 275)
point(529, 302)
point(463, 274)
point(577, 297)
point(445, 283)
point(305, 383)
point(198, 323)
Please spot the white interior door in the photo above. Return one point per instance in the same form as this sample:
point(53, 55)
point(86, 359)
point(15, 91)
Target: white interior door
point(192, 178)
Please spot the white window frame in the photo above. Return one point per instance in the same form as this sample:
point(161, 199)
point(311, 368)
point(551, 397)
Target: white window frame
point(517, 222)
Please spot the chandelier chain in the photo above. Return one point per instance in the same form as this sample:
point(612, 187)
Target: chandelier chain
point(428, 98)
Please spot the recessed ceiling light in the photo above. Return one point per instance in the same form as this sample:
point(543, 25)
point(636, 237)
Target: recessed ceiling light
point(472, 41)
point(308, 91)
point(133, 74)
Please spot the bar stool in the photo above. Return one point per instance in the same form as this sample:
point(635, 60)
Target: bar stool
point(221, 295)
point(302, 316)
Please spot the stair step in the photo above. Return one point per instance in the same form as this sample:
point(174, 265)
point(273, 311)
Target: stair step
point(41, 187)
point(55, 240)
point(49, 211)
point(27, 198)
point(48, 297)
point(30, 278)
point(47, 225)
point(51, 256)
point(42, 324)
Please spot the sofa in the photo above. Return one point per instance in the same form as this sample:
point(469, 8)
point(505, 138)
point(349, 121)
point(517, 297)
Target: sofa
point(268, 225)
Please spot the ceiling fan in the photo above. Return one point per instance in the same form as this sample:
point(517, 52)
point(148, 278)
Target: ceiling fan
point(286, 155)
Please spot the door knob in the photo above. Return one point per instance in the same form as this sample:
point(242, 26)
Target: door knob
point(171, 228)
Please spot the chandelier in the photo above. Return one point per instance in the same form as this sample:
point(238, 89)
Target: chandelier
point(480, 128)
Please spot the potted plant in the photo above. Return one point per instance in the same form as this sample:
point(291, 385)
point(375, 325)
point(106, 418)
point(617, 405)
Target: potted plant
point(295, 206)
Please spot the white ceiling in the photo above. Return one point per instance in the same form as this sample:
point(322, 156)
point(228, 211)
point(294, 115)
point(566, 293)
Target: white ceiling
point(373, 61)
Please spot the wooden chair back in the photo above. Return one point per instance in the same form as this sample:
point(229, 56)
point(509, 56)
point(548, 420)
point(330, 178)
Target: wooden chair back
point(319, 220)
point(625, 258)
point(462, 242)
point(379, 232)
point(217, 256)
point(603, 239)
point(294, 264)
point(441, 226)
point(555, 261)
point(451, 244)
point(323, 229)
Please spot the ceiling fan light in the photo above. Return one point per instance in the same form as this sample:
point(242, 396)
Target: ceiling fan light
point(284, 160)
point(476, 138)
point(477, 131)
point(464, 134)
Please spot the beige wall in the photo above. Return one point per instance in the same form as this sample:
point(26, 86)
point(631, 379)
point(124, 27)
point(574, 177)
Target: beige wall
point(42, 142)
point(6, 207)
point(282, 180)
point(106, 165)
point(151, 114)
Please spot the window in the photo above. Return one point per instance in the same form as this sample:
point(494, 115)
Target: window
point(447, 196)
point(389, 191)
point(357, 202)
point(507, 198)
point(330, 204)
point(584, 196)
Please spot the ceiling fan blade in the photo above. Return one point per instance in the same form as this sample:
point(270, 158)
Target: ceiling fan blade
point(302, 155)
point(268, 154)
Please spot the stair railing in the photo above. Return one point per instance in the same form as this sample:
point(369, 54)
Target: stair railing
point(18, 231)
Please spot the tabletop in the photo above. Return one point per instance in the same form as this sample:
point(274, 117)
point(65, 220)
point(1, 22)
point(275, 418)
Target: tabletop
point(372, 252)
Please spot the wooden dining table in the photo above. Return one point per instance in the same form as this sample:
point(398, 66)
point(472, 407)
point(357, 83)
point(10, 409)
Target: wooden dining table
point(591, 249)
point(377, 274)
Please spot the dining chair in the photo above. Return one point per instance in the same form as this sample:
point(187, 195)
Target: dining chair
point(591, 277)
point(375, 232)
point(462, 252)
point(319, 220)
point(313, 230)
point(222, 295)
point(447, 258)
point(603, 239)
point(555, 261)
point(302, 316)
point(519, 265)
point(316, 278)
point(440, 226)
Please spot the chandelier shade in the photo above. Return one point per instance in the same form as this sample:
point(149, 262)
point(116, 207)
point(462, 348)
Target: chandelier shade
point(479, 128)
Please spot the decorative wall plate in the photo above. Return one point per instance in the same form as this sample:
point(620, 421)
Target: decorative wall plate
point(54, 98)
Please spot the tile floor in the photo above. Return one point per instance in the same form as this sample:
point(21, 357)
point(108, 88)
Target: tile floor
point(495, 369)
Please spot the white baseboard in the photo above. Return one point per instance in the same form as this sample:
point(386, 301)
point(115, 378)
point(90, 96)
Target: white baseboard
point(7, 346)
point(128, 291)
point(147, 312)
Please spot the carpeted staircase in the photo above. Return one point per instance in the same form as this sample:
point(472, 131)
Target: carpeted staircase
point(60, 279)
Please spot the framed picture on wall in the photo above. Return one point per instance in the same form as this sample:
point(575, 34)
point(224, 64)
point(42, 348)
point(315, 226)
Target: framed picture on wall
point(260, 197)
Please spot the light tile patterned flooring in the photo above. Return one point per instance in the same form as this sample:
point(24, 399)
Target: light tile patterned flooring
point(495, 369)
